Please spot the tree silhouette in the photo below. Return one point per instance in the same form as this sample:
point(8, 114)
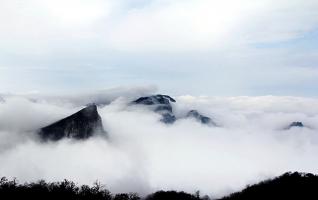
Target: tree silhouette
point(288, 186)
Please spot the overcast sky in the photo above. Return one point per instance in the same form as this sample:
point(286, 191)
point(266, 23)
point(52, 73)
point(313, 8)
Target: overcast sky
point(198, 47)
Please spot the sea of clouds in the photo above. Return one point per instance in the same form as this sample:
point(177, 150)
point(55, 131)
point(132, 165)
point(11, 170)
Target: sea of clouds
point(143, 155)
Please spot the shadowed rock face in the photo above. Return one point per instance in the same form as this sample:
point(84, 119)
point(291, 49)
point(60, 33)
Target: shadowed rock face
point(80, 125)
point(160, 104)
point(201, 118)
point(168, 118)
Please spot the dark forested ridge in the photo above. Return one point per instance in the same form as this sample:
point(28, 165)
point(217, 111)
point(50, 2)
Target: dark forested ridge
point(288, 186)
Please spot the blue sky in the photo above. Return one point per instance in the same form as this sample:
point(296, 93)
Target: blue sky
point(198, 47)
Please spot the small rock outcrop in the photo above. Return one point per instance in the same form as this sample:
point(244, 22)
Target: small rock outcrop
point(295, 124)
point(160, 104)
point(201, 118)
point(80, 125)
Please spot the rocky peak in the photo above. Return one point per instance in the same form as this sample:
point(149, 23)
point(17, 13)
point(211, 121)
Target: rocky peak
point(160, 104)
point(81, 125)
point(155, 99)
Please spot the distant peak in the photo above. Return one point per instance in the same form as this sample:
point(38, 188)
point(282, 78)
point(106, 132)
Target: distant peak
point(296, 124)
point(155, 99)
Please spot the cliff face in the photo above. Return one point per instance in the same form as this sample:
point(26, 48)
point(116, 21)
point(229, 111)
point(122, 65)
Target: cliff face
point(80, 125)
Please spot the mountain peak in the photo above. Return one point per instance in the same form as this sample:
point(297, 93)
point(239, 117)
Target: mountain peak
point(160, 104)
point(155, 99)
point(80, 125)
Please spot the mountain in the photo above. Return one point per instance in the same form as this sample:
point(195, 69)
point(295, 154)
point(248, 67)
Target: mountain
point(80, 125)
point(160, 104)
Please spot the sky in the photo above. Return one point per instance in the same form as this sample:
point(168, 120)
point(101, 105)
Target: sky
point(196, 47)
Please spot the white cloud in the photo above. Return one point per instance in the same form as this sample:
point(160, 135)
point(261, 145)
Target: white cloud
point(282, 20)
point(156, 25)
point(179, 25)
point(202, 25)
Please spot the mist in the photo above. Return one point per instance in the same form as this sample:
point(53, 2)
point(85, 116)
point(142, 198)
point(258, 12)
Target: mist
point(141, 154)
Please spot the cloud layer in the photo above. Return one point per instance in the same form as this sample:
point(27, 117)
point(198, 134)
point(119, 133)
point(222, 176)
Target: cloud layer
point(143, 155)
